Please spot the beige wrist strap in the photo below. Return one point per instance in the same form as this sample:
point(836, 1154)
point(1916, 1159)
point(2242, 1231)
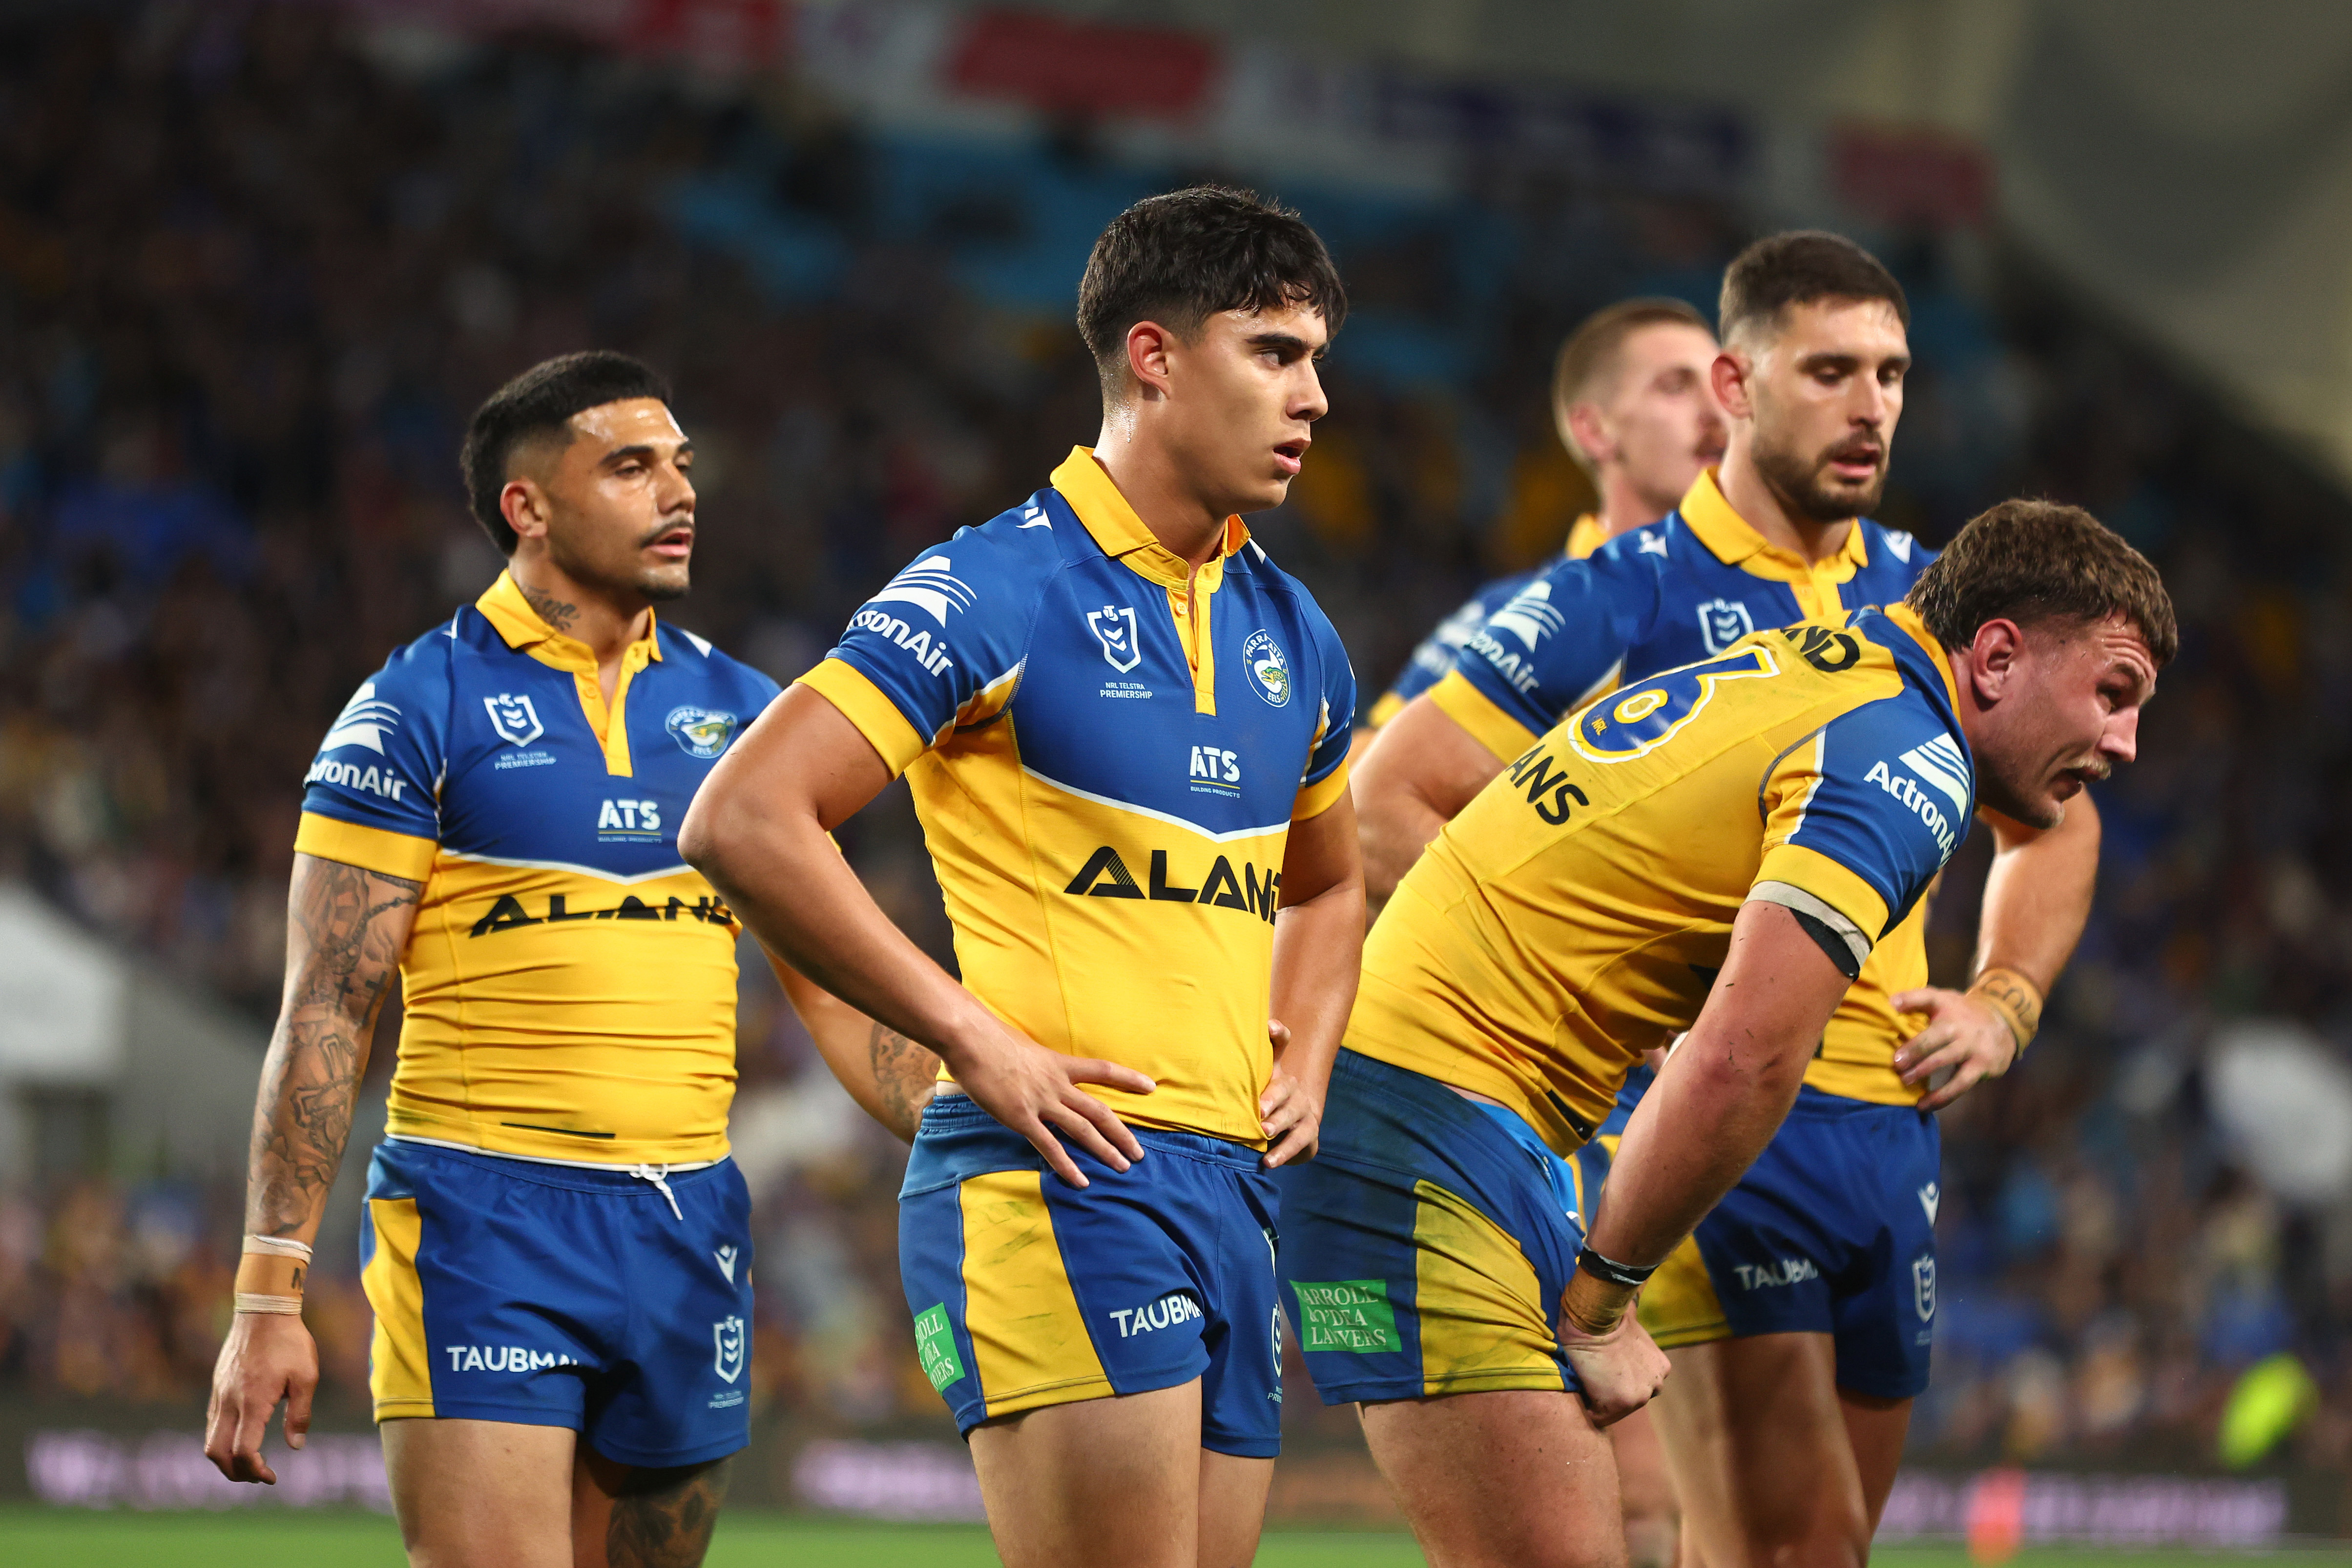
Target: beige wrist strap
point(2018, 1001)
point(269, 1306)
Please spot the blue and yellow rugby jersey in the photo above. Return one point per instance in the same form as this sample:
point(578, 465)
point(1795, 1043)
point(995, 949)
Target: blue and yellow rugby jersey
point(570, 983)
point(1575, 913)
point(1433, 657)
point(1685, 589)
point(1106, 772)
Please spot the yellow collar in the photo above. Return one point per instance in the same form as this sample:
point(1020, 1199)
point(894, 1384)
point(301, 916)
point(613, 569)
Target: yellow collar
point(1728, 536)
point(504, 607)
point(1087, 486)
point(1585, 536)
point(1907, 617)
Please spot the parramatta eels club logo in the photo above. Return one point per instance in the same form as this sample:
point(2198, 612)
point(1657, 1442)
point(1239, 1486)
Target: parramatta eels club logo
point(1114, 627)
point(701, 732)
point(515, 719)
point(1269, 671)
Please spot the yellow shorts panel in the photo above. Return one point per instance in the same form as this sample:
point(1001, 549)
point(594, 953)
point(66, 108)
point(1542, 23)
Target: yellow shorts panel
point(400, 1378)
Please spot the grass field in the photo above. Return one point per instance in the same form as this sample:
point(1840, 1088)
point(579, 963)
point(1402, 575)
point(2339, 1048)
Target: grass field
point(38, 1538)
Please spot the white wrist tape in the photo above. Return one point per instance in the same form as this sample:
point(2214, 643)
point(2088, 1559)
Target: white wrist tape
point(277, 1247)
point(284, 1306)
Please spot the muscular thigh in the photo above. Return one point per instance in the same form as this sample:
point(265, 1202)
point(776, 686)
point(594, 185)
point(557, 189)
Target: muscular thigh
point(1755, 1436)
point(481, 1494)
point(1520, 1478)
point(635, 1516)
point(1103, 1480)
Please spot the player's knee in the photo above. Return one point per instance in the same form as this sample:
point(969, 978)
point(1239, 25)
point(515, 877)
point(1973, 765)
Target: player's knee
point(1834, 1537)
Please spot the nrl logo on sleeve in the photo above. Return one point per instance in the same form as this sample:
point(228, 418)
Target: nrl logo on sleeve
point(733, 1345)
point(701, 732)
point(1269, 671)
point(1114, 627)
point(1722, 622)
point(514, 719)
point(1923, 1286)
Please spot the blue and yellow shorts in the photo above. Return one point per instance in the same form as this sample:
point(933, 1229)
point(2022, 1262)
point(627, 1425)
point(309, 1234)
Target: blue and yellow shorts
point(1424, 1248)
point(1832, 1231)
point(1028, 1293)
point(561, 1296)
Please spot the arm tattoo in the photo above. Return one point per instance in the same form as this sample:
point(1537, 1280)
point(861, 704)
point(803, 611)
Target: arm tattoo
point(663, 1518)
point(905, 1076)
point(346, 930)
point(551, 610)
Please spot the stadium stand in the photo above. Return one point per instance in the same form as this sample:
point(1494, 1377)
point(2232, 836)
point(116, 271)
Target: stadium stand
point(252, 275)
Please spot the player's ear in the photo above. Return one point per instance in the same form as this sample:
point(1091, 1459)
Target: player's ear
point(1993, 657)
point(1148, 357)
point(524, 506)
point(1728, 375)
point(1587, 433)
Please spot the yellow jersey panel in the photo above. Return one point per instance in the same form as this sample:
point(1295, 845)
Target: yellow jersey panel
point(568, 983)
point(1575, 914)
point(1106, 751)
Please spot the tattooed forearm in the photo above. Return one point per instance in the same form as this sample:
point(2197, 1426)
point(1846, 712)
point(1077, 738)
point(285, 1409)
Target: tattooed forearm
point(552, 610)
point(345, 930)
point(905, 1076)
point(663, 1518)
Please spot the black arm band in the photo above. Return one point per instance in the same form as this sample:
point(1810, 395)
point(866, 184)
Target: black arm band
point(1623, 1274)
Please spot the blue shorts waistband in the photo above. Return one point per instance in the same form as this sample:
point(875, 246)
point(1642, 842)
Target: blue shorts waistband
point(571, 1178)
point(961, 1112)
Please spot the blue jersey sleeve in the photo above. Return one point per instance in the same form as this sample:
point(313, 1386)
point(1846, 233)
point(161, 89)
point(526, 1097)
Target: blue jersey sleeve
point(371, 797)
point(941, 645)
point(1433, 655)
point(1864, 813)
point(1561, 641)
point(1326, 763)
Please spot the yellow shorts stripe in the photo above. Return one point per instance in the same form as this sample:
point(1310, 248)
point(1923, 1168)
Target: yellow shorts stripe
point(400, 1373)
point(1679, 1306)
point(1484, 1322)
point(1028, 1338)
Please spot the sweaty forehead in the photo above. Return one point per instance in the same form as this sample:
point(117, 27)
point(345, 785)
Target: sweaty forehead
point(631, 421)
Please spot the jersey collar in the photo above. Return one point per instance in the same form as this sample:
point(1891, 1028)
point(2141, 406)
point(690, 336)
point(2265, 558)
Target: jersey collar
point(1905, 616)
point(504, 607)
point(1730, 539)
point(1095, 499)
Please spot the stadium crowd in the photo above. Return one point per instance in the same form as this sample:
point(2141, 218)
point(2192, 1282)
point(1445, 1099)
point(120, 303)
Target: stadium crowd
point(254, 273)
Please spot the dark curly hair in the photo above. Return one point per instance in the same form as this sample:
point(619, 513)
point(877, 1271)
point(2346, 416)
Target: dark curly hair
point(1181, 258)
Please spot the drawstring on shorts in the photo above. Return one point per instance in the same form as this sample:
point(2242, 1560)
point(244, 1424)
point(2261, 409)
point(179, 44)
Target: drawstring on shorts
point(659, 1176)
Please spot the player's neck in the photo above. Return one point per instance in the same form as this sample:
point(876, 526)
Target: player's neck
point(1760, 507)
point(608, 623)
point(1622, 508)
point(1147, 474)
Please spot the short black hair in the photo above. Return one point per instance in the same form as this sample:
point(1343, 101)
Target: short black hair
point(1181, 258)
point(1801, 267)
point(535, 404)
point(2034, 561)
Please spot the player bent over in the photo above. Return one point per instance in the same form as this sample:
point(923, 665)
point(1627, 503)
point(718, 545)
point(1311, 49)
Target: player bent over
point(1793, 1381)
point(1634, 406)
point(1125, 731)
point(1718, 848)
point(556, 1245)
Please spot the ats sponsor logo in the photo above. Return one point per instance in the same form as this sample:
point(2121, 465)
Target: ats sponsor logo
point(1174, 1308)
point(621, 821)
point(1214, 771)
point(1106, 876)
